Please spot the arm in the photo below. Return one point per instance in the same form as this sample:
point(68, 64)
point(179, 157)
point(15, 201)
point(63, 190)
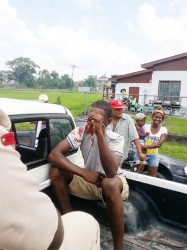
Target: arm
point(135, 138)
point(58, 158)
point(156, 145)
point(109, 160)
point(141, 155)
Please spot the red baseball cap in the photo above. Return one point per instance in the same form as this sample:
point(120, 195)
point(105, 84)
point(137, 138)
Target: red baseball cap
point(117, 104)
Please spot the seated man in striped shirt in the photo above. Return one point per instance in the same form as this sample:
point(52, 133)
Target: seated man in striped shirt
point(101, 177)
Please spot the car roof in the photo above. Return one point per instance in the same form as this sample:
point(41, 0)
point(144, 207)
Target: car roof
point(20, 107)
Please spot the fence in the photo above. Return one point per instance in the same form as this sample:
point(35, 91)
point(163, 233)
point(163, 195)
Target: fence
point(176, 119)
point(172, 105)
point(78, 102)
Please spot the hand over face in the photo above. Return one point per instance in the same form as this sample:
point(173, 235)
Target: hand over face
point(95, 122)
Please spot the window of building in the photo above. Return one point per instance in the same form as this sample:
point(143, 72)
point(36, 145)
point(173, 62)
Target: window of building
point(169, 90)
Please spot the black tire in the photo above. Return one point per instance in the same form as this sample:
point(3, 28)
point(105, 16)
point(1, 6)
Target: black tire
point(159, 175)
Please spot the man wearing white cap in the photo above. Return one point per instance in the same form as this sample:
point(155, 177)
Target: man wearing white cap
point(43, 98)
point(124, 125)
point(28, 218)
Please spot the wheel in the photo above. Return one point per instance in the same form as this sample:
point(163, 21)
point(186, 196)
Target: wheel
point(159, 175)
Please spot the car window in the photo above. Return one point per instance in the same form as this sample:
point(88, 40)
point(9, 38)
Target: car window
point(26, 133)
point(36, 138)
point(59, 129)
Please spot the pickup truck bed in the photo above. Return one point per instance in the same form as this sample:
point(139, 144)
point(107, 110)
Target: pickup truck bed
point(155, 215)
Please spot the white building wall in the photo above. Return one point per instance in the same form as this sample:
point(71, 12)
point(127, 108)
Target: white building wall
point(172, 76)
point(151, 89)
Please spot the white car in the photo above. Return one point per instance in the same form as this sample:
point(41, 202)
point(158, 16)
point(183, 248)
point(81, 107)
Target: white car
point(38, 127)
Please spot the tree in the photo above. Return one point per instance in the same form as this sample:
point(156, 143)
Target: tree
point(54, 74)
point(91, 81)
point(67, 82)
point(44, 74)
point(22, 71)
point(3, 77)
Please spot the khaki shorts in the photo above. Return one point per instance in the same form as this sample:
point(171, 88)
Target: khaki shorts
point(83, 189)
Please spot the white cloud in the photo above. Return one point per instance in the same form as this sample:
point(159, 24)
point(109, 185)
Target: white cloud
point(167, 34)
point(130, 25)
point(14, 36)
point(58, 47)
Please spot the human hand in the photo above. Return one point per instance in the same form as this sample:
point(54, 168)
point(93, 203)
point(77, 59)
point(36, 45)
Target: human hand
point(144, 149)
point(95, 122)
point(94, 177)
point(142, 156)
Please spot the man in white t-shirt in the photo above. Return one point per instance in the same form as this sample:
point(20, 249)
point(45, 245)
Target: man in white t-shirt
point(101, 178)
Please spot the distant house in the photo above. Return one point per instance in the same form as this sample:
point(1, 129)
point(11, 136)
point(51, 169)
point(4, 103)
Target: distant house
point(102, 82)
point(164, 79)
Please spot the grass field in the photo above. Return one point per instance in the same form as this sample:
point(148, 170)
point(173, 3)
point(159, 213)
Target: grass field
point(174, 150)
point(175, 125)
point(77, 103)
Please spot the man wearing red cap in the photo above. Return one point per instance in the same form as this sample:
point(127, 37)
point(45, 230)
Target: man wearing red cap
point(124, 125)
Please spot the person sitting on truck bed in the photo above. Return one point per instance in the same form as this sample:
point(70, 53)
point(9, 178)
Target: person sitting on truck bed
point(124, 125)
point(28, 218)
point(102, 178)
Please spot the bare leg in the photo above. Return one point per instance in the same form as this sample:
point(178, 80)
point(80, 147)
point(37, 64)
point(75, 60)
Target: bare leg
point(152, 171)
point(60, 181)
point(111, 188)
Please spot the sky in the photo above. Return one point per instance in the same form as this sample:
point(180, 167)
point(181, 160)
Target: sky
point(99, 37)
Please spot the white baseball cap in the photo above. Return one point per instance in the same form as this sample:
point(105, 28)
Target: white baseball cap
point(43, 98)
point(139, 116)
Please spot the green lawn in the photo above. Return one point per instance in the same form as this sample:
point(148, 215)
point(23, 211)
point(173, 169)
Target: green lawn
point(75, 102)
point(174, 150)
point(175, 125)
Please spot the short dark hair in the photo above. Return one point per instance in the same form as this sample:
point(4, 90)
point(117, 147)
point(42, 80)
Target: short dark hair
point(103, 105)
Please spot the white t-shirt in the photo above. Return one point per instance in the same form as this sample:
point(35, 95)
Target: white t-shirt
point(89, 146)
point(153, 138)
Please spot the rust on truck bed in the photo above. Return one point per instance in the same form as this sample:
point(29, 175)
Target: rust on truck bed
point(154, 239)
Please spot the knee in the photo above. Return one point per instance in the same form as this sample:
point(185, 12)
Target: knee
point(55, 174)
point(111, 188)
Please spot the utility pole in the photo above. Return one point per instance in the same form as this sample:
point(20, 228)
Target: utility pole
point(73, 67)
